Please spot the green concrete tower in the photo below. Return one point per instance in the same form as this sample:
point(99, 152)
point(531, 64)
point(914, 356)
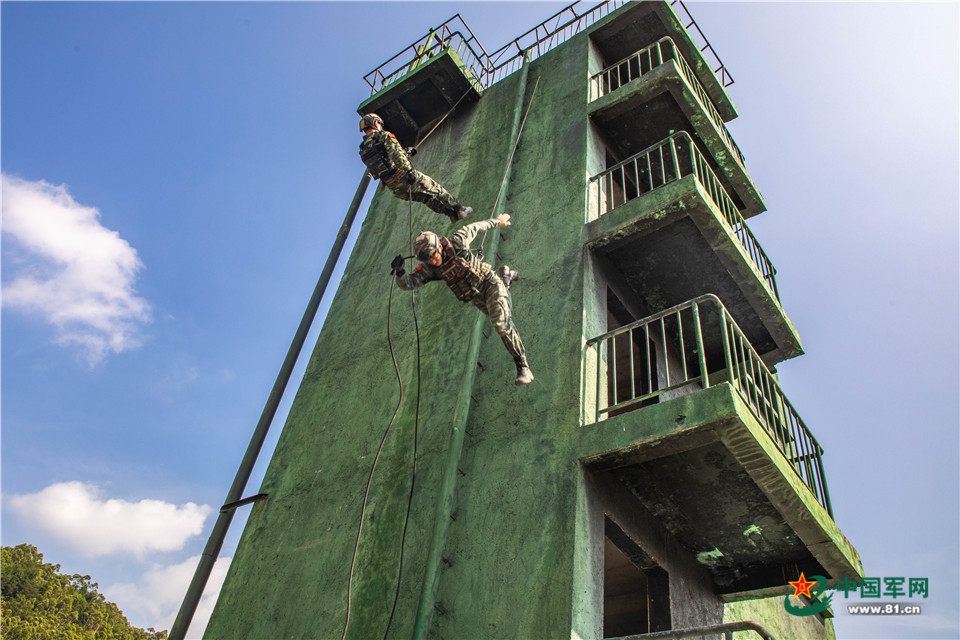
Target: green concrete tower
point(655, 475)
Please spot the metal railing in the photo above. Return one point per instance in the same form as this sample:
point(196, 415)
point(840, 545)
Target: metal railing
point(550, 33)
point(727, 629)
point(665, 353)
point(637, 64)
point(449, 35)
point(702, 43)
point(668, 161)
point(490, 68)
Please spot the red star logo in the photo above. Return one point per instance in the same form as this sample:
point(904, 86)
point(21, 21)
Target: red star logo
point(802, 586)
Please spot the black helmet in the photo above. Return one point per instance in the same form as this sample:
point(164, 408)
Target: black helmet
point(367, 121)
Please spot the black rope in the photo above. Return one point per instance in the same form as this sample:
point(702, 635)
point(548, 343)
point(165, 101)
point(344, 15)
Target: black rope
point(416, 437)
point(366, 493)
point(416, 428)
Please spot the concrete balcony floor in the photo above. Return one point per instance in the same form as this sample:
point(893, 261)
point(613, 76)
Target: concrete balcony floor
point(671, 245)
point(638, 24)
point(703, 466)
point(646, 109)
point(419, 99)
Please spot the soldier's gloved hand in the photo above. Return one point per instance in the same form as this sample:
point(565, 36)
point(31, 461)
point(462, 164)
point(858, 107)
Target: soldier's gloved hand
point(396, 267)
point(412, 177)
point(411, 151)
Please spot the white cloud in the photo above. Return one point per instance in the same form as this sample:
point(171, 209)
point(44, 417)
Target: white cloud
point(74, 513)
point(75, 273)
point(155, 600)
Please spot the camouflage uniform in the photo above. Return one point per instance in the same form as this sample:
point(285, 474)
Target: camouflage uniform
point(491, 296)
point(388, 162)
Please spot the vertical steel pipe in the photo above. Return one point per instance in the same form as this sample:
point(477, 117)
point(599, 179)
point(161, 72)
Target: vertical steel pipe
point(219, 533)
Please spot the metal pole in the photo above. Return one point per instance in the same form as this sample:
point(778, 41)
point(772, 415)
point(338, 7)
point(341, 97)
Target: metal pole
point(215, 542)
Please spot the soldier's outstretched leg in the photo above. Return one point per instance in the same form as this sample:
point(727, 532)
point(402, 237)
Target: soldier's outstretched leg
point(423, 188)
point(496, 303)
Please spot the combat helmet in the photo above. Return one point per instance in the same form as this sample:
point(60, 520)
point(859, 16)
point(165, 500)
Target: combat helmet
point(367, 121)
point(426, 245)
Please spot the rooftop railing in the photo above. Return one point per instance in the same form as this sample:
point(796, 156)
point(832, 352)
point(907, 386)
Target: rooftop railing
point(637, 64)
point(668, 161)
point(550, 33)
point(452, 34)
point(555, 30)
point(699, 39)
point(664, 354)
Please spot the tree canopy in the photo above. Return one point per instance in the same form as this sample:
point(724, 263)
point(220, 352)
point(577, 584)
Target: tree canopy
point(37, 602)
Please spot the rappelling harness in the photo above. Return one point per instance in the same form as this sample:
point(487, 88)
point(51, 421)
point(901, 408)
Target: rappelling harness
point(463, 277)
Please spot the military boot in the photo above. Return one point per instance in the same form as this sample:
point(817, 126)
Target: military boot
point(508, 275)
point(459, 213)
point(524, 375)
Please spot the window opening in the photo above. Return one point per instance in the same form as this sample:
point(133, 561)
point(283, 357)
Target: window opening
point(636, 591)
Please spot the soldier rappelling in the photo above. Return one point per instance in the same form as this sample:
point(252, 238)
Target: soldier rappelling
point(471, 280)
point(390, 163)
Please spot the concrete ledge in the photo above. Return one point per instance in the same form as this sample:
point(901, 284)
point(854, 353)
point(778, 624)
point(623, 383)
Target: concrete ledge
point(418, 99)
point(629, 103)
point(653, 213)
point(758, 520)
point(628, 29)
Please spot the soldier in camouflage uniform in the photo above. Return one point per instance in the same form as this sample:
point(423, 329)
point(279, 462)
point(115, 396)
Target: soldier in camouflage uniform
point(471, 280)
point(390, 163)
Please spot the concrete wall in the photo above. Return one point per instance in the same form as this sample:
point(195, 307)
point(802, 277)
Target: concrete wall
point(770, 613)
point(510, 553)
point(692, 600)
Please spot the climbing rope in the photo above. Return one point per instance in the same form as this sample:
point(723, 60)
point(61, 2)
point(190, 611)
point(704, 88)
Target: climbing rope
point(396, 367)
point(376, 459)
point(509, 162)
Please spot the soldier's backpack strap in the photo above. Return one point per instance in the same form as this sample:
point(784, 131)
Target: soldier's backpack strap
point(374, 154)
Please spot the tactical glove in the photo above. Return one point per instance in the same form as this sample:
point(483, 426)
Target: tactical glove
point(396, 267)
point(411, 151)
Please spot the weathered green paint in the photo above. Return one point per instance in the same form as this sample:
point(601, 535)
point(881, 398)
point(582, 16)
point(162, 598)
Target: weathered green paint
point(777, 621)
point(717, 420)
point(686, 198)
point(415, 101)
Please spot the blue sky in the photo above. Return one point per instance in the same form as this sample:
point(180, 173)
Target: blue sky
point(174, 175)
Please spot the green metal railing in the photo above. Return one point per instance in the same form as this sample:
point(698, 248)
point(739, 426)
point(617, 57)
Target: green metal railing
point(665, 353)
point(547, 35)
point(641, 62)
point(454, 34)
point(668, 161)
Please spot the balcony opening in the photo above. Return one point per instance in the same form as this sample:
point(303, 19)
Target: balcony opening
point(636, 591)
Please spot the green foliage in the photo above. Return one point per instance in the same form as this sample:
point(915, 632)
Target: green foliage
point(37, 602)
